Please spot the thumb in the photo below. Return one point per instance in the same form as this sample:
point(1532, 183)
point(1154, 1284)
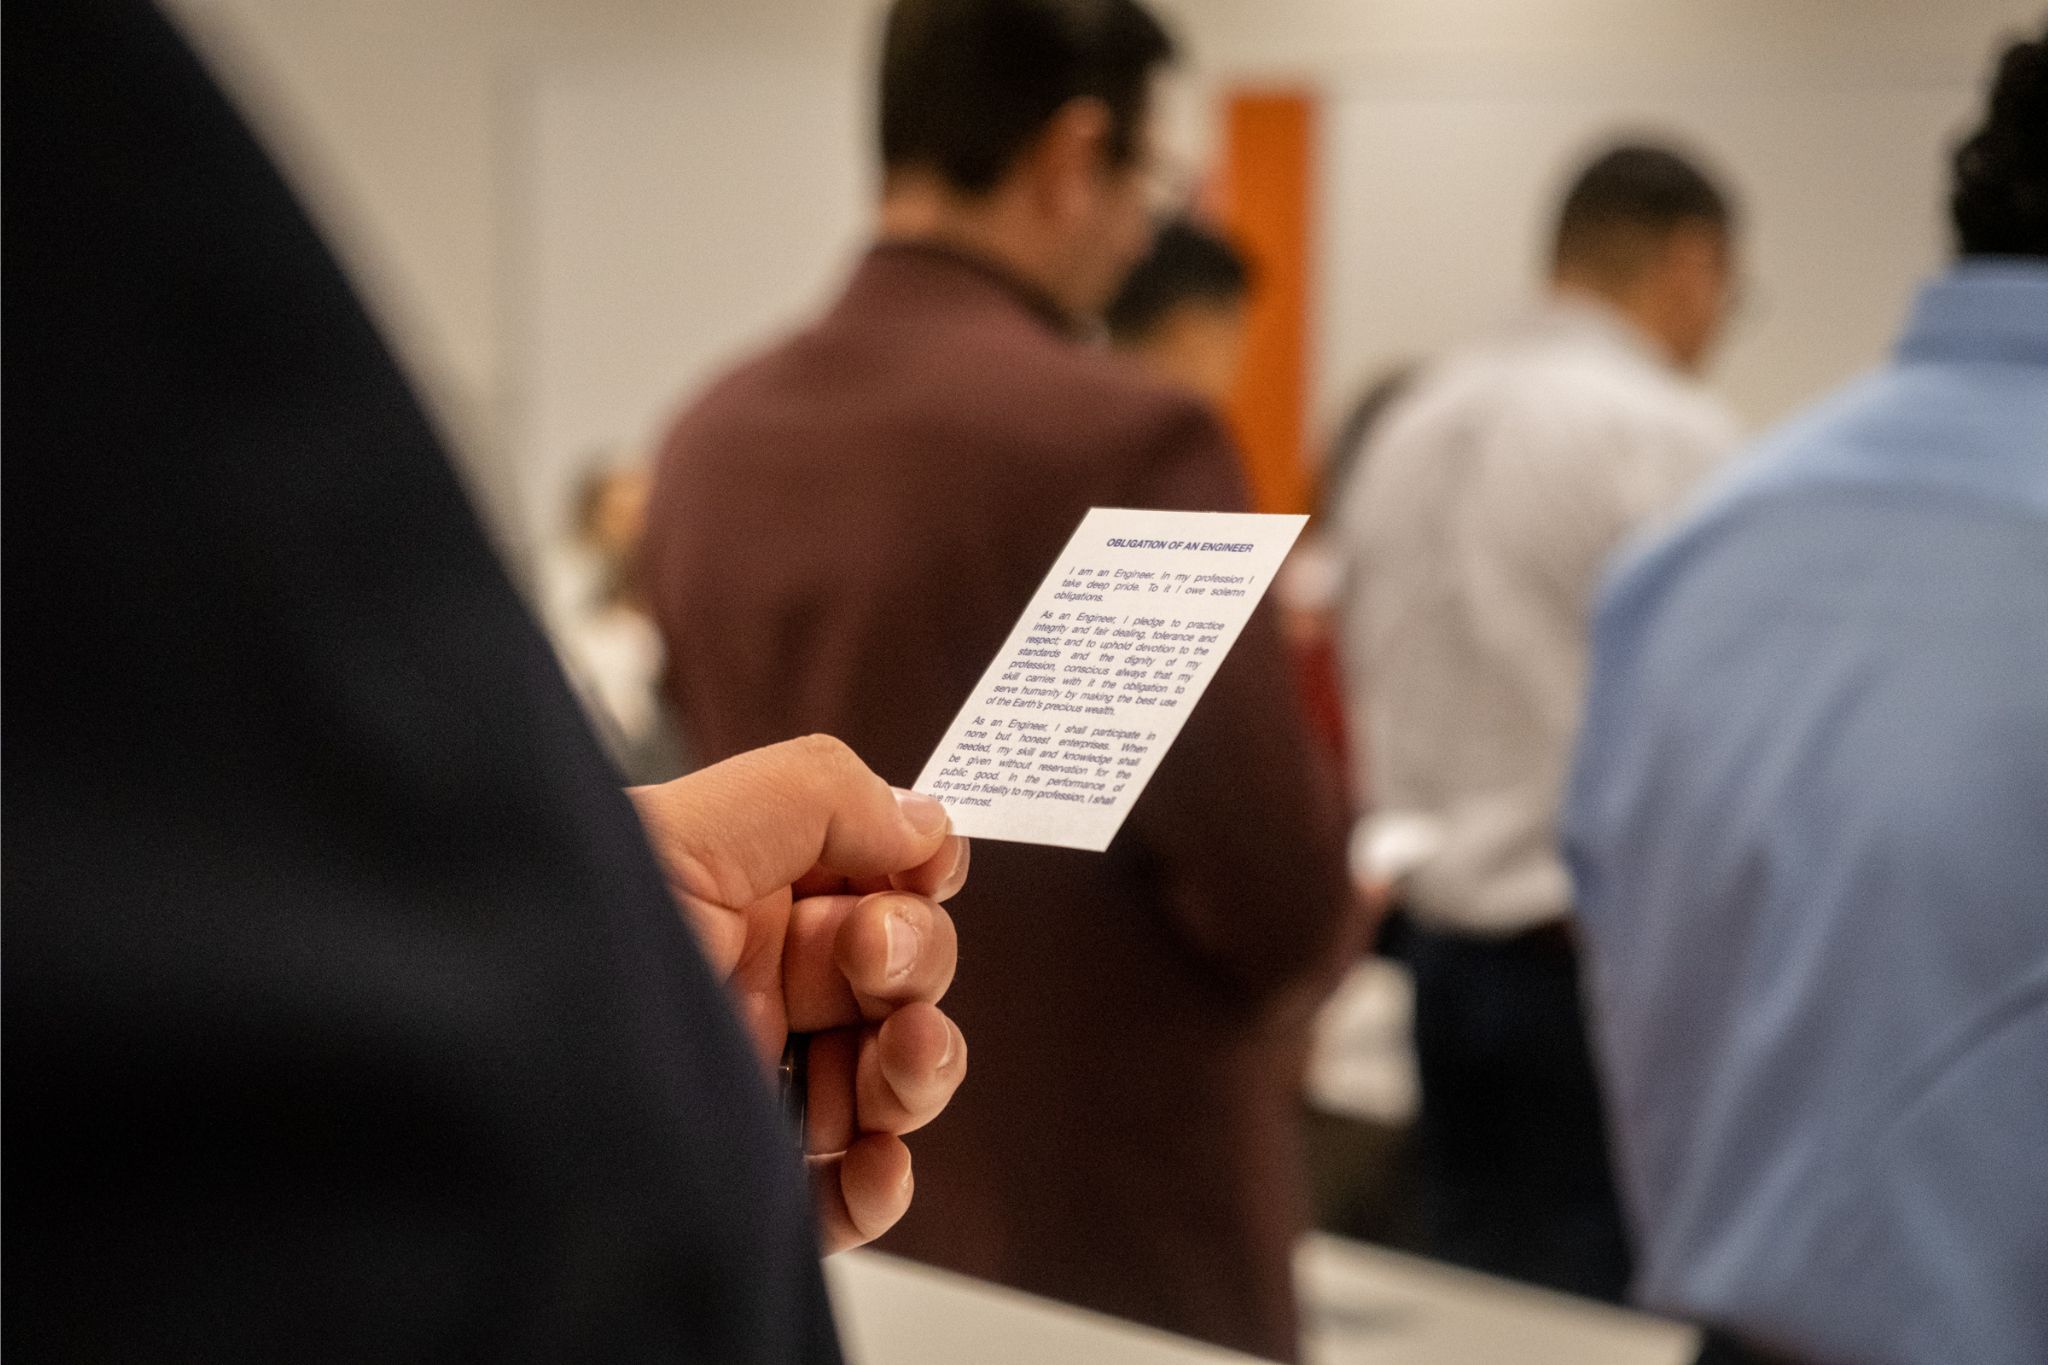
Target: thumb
point(759, 821)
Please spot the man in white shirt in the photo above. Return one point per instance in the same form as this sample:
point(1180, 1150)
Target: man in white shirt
point(1480, 520)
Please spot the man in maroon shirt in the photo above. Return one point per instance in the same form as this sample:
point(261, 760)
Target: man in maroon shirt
point(843, 531)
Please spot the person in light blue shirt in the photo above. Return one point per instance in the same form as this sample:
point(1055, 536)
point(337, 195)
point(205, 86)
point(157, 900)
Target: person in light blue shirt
point(1808, 826)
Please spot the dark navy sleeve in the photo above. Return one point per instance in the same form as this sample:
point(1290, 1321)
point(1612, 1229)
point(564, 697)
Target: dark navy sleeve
point(346, 1015)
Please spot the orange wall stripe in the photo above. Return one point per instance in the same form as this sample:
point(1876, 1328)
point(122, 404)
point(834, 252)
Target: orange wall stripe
point(1266, 187)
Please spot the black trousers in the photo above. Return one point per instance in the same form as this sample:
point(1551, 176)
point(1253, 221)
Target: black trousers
point(1516, 1175)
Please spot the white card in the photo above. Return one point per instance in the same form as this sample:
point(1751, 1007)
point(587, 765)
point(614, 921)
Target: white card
point(1068, 724)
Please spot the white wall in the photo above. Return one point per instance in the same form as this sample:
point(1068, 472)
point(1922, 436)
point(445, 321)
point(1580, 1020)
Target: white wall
point(692, 189)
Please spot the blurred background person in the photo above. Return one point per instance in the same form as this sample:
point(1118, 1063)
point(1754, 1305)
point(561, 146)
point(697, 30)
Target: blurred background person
point(1180, 312)
point(595, 610)
point(916, 458)
point(1810, 829)
point(1478, 526)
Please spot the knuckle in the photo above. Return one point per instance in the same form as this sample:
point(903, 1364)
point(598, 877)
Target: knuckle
point(826, 751)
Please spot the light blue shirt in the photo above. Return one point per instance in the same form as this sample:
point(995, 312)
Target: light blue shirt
point(1809, 829)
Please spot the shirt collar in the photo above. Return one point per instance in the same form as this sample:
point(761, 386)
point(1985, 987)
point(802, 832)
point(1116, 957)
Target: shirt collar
point(1587, 317)
point(1035, 301)
point(1991, 308)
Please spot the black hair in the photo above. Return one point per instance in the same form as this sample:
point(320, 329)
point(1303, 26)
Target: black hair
point(1188, 264)
point(2000, 201)
point(1627, 201)
point(968, 84)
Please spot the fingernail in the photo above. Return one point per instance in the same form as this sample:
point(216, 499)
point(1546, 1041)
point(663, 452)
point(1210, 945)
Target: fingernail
point(903, 936)
point(946, 1057)
point(956, 878)
point(925, 815)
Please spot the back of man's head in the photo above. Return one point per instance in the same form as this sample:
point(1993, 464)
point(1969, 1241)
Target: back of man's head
point(1189, 266)
point(1623, 209)
point(1181, 310)
point(2000, 202)
point(967, 85)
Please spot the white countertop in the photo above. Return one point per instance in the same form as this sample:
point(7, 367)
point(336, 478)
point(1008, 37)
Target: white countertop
point(1362, 1305)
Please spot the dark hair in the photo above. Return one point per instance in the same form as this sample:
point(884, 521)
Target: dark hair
point(1187, 264)
point(1627, 201)
point(967, 84)
point(2000, 203)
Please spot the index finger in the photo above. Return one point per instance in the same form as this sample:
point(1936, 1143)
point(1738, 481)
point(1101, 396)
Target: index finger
point(761, 820)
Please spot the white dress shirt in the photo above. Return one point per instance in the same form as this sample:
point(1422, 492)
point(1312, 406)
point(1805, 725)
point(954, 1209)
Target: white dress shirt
point(1481, 518)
